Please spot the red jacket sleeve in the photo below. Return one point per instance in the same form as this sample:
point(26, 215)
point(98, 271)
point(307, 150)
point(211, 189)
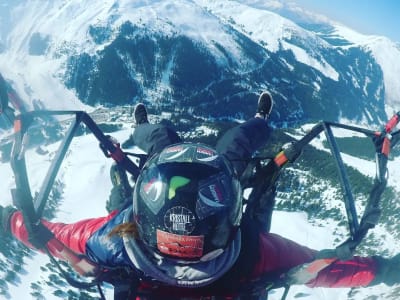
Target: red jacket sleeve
point(278, 254)
point(74, 235)
point(359, 271)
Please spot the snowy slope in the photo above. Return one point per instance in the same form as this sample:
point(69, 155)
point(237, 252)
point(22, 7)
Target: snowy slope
point(274, 31)
point(386, 53)
point(257, 19)
point(66, 24)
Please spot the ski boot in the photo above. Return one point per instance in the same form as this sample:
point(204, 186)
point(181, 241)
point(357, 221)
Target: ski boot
point(264, 105)
point(140, 114)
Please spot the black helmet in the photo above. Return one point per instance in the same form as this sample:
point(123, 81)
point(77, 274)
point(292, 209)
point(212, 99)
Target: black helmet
point(187, 203)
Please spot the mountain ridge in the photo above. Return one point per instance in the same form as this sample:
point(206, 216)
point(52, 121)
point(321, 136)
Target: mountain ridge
point(236, 59)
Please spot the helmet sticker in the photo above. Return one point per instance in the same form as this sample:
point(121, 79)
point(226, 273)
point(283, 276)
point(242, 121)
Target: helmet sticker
point(152, 190)
point(190, 152)
point(207, 155)
point(182, 246)
point(212, 202)
point(213, 196)
point(175, 183)
point(208, 159)
point(173, 149)
point(205, 151)
point(174, 153)
point(179, 220)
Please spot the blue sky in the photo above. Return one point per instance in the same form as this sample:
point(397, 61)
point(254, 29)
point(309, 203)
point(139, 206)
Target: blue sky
point(380, 17)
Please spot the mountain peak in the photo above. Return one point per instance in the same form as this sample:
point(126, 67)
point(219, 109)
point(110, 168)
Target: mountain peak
point(193, 53)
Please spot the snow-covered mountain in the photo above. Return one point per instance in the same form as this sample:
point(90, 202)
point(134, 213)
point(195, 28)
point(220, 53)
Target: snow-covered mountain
point(195, 54)
point(260, 24)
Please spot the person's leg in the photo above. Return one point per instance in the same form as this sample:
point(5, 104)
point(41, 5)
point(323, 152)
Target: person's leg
point(239, 143)
point(238, 146)
point(151, 138)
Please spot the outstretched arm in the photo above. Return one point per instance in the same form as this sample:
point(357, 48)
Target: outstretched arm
point(74, 235)
point(357, 272)
point(278, 254)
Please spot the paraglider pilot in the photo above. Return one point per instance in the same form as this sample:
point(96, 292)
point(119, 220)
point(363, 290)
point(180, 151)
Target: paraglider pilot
point(184, 232)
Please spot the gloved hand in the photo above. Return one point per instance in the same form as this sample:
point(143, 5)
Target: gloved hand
point(5, 216)
point(388, 270)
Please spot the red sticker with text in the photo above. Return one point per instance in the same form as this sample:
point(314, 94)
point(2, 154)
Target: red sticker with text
point(182, 246)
